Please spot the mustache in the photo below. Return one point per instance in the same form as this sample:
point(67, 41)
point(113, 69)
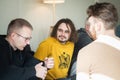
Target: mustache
point(62, 36)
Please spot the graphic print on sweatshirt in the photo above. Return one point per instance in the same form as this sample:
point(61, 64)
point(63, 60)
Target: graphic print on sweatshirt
point(64, 60)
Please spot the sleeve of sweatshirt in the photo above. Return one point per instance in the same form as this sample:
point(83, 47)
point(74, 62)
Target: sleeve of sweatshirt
point(18, 73)
point(13, 72)
point(25, 72)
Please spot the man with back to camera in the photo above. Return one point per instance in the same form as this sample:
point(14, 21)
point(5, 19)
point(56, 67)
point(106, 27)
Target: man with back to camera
point(15, 62)
point(100, 60)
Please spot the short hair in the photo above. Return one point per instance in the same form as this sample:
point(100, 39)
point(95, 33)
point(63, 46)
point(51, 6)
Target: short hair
point(16, 24)
point(73, 35)
point(106, 12)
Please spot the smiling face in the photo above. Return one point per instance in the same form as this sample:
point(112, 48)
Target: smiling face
point(63, 33)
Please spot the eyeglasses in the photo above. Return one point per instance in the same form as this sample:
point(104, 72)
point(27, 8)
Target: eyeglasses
point(26, 38)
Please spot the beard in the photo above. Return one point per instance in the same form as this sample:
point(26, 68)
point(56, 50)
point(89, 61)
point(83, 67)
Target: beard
point(92, 34)
point(62, 39)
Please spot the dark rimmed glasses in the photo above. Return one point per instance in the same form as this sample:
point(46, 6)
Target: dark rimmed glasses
point(26, 38)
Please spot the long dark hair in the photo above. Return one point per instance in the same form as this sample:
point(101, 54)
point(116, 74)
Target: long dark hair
point(73, 35)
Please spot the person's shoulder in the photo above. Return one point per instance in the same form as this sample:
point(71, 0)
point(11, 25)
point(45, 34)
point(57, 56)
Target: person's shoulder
point(82, 34)
point(94, 48)
point(81, 30)
point(91, 48)
point(93, 45)
point(3, 42)
point(48, 41)
point(70, 43)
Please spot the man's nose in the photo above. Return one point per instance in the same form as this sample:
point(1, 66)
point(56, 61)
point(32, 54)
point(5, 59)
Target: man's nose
point(28, 42)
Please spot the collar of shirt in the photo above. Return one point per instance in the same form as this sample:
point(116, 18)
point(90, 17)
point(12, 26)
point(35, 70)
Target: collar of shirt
point(109, 41)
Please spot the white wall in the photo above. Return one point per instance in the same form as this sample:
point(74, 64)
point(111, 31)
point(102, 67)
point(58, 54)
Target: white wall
point(40, 15)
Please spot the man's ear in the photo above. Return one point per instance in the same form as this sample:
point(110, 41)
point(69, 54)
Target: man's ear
point(99, 26)
point(12, 35)
point(87, 27)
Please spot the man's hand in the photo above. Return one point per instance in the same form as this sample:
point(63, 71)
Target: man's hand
point(49, 62)
point(41, 71)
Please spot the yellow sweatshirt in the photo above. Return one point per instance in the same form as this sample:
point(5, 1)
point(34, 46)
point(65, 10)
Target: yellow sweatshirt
point(62, 54)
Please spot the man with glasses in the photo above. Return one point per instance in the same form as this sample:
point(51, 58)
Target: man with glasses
point(15, 62)
point(59, 46)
